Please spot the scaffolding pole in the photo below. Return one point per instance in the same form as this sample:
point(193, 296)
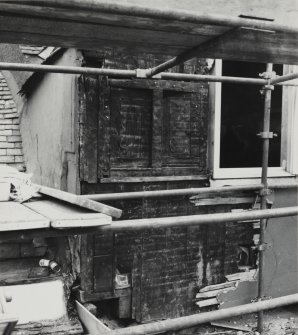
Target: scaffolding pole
point(184, 322)
point(265, 135)
point(244, 217)
point(182, 192)
point(133, 74)
point(67, 69)
point(129, 74)
point(171, 193)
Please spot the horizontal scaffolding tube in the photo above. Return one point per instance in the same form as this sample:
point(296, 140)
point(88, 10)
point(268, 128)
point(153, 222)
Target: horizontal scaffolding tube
point(182, 192)
point(284, 78)
point(67, 69)
point(192, 220)
point(130, 74)
point(198, 77)
point(123, 73)
point(197, 319)
point(171, 193)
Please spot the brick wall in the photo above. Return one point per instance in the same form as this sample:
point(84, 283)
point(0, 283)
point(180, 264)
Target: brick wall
point(11, 152)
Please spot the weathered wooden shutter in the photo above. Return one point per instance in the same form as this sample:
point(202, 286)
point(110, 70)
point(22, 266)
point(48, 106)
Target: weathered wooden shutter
point(184, 129)
point(152, 128)
point(141, 128)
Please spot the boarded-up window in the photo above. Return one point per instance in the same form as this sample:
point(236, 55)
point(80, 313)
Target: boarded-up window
point(145, 128)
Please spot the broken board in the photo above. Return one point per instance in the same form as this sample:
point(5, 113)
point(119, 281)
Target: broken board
point(15, 216)
point(62, 215)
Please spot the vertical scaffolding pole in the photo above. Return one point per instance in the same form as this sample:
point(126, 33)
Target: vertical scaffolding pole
point(265, 135)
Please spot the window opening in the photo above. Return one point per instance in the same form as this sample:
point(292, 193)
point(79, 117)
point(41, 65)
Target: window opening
point(242, 109)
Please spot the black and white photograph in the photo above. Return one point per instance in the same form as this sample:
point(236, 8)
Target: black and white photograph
point(149, 167)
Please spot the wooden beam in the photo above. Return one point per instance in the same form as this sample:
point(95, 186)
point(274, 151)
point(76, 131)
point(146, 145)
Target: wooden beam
point(79, 201)
point(64, 216)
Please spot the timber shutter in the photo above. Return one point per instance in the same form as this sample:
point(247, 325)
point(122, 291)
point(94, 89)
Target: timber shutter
point(146, 128)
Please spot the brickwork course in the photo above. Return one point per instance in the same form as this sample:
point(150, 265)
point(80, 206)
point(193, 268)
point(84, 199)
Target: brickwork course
point(11, 151)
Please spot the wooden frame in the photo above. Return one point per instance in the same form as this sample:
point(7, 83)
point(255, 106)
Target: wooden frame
point(288, 149)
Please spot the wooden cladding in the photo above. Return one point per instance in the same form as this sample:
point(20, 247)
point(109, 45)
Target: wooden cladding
point(133, 128)
point(130, 127)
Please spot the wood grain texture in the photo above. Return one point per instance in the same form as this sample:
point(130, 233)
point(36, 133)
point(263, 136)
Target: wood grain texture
point(88, 101)
point(79, 201)
point(66, 216)
point(71, 27)
point(15, 216)
point(104, 129)
point(87, 266)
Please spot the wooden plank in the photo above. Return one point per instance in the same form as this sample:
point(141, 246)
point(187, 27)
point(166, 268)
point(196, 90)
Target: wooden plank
point(218, 286)
point(79, 201)
point(85, 296)
point(119, 20)
point(229, 325)
point(223, 201)
point(88, 111)
point(85, 29)
point(20, 235)
point(165, 171)
point(67, 216)
point(104, 129)
point(207, 302)
point(96, 33)
point(49, 327)
point(90, 322)
point(152, 179)
point(15, 216)
point(213, 293)
point(87, 264)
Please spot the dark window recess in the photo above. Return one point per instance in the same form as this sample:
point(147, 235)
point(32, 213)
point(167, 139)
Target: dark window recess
point(242, 109)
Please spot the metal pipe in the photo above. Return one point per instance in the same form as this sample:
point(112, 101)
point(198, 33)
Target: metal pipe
point(123, 73)
point(128, 74)
point(208, 78)
point(148, 12)
point(200, 318)
point(264, 191)
point(192, 220)
point(68, 69)
point(284, 78)
point(183, 192)
point(171, 193)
